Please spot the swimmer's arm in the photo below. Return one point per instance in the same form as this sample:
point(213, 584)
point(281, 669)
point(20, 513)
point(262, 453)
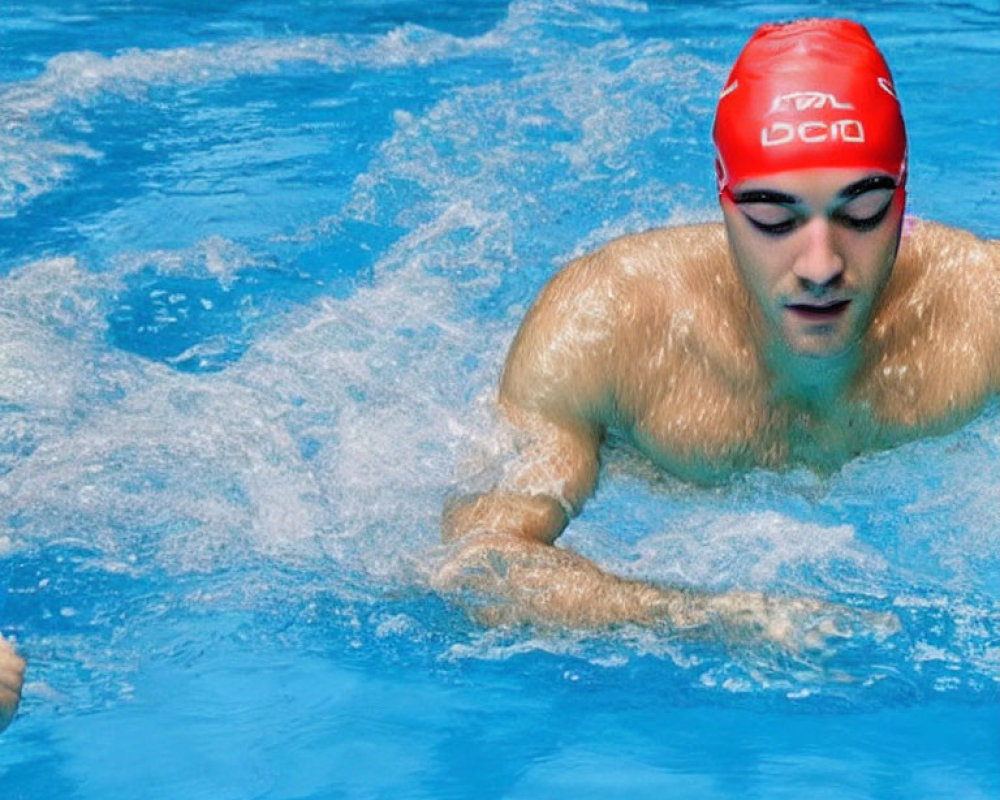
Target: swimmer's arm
point(11, 680)
point(505, 570)
point(504, 567)
point(554, 371)
point(555, 473)
point(980, 262)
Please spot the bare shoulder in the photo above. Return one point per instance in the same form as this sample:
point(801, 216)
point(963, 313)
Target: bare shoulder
point(950, 271)
point(679, 299)
point(605, 309)
point(937, 330)
point(678, 246)
point(670, 256)
point(948, 251)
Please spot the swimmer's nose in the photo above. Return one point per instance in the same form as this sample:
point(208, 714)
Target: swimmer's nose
point(819, 265)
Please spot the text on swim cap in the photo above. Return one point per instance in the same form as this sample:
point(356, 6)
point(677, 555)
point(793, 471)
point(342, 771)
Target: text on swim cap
point(813, 132)
point(810, 131)
point(803, 101)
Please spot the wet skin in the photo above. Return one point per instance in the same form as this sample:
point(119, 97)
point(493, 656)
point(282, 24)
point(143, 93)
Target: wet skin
point(792, 334)
point(11, 680)
point(815, 249)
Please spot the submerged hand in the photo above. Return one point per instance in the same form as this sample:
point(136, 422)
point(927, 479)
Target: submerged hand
point(505, 580)
point(793, 623)
point(11, 680)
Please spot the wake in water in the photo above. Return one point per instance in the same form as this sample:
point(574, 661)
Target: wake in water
point(320, 435)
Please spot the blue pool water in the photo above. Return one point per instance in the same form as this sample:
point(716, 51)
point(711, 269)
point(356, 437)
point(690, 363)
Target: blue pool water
point(260, 264)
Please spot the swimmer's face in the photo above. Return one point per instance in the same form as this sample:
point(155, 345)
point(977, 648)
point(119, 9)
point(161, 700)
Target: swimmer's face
point(815, 249)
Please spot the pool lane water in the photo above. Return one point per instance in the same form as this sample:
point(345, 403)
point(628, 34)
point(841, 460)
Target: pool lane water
point(261, 262)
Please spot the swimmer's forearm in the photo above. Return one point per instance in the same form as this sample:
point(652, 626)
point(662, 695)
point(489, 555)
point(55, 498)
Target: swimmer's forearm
point(508, 580)
point(505, 580)
point(508, 561)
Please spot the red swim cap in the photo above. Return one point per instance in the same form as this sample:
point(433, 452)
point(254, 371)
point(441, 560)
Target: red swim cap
point(812, 93)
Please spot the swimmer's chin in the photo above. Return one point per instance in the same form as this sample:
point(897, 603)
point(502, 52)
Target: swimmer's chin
point(834, 351)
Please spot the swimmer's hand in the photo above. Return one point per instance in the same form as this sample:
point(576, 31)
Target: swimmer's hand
point(11, 680)
point(504, 580)
point(796, 624)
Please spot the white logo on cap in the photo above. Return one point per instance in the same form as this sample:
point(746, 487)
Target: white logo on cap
point(813, 132)
point(776, 134)
point(887, 87)
point(804, 101)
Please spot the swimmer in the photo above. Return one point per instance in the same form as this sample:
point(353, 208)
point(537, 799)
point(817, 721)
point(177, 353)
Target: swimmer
point(811, 325)
point(11, 680)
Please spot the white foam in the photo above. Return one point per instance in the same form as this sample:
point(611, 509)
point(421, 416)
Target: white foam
point(83, 75)
point(31, 165)
point(212, 257)
point(749, 549)
point(335, 439)
point(201, 471)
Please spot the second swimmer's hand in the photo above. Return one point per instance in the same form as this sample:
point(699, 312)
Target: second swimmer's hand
point(11, 680)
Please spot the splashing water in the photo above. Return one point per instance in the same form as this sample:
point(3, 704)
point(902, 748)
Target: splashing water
point(257, 291)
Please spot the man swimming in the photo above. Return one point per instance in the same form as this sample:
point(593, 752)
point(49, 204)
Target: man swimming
point(806, 328)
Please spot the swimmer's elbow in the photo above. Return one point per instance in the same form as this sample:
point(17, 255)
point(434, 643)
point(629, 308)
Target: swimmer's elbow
point(536, 518)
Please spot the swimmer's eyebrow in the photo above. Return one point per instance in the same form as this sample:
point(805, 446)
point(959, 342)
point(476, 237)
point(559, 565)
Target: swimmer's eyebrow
point(849, 192)
point(866, 185)
point(766, 196)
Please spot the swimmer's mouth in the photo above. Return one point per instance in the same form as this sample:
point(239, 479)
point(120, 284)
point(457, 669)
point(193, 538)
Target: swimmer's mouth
point(819, 311)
